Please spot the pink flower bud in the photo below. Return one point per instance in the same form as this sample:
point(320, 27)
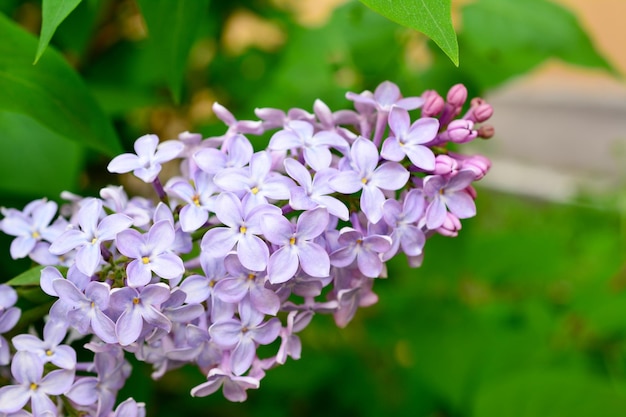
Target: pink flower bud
point(450, 227)
point(444, 165)
point(479, 111)
point(461, 131)
point(433, 103)
point(486, 131)
point(457, 95)
point(477, 163)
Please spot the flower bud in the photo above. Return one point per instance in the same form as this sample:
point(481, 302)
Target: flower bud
point(457, 95)
point(444, 165)
point(477, 163)
point(450, 227)
point(433, 103)
point(460, 131)
point(486, 131)
point(479, 111)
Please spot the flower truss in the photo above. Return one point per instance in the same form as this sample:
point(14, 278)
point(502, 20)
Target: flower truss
point(241, 249)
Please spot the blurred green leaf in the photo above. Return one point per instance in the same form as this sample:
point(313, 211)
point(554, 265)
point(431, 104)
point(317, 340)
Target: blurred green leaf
point(50, 93)
point(27, 278)
point(172, 30)
point(550, 392)
point(52, 14)
point(34, 160)
point(431, 17)
point(504, 38)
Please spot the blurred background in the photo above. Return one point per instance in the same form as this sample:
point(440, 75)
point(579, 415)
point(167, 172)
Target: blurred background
point(524, 314)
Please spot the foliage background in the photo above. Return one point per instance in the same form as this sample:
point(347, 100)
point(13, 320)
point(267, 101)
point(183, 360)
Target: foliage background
point(523, 315)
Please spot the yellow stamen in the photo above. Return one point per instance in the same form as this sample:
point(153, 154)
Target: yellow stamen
point(251, 276)
point(94, 240)
point(33, 386)
point(292, 240)
point(359, 241)
point(196, 200)
point(243, 229)
point(49, 352)
point(35, 235)
point(364, 180)
point(254, 190)
point(135, 300)
point(145, 260)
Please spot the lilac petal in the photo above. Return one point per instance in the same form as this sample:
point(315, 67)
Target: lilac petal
point(167, 265)
point(387, 93)
point(160, 236)
point(267, 332)
point(112, 225)
point(435, 214)
point(461, 180)
point(410, 103)
point(334, 206)
point(312, 223)
point(377, 243)
point(42, 405)
point(196, 288)
point(252, 253)
point(390, 176)
point(10, 317)
point(230, 290)
point(314, 260)
point(369, 264)
point(412, 241)
point(138, 274)
point(21, 246)
point(461, 204)
point(208, 388)
point(226, 333)
point(432, 185)
point(67, 291)
point(399, 121)
point(235, 390)
point(129, 243)
point(239, 151)
point(346, 182)
point(317, 157)
point(242, 356)
point(343, 257)
point(276, 229)
point(128, 326)
point(228, 210)
point(84, 391)
point(282, 265)
point(99, 293)
point(364, 155)
point(124, 163)
point(168, 150)
point(192, 218)
point(146, 145)
point(48, 275)
point(13, 398)
point(210, 160)
point(57, 382)
point(391, 150)
point(157, 319)
point(284, 140)
point(64, 357)
point(413, 206)
point(219, 241)
point(155, 294)
point(421, 156)
point(233, 179)
point(89, 214)
point(79, 320)
point(372, 200)
point(148, 174)
point(423, 130)
point(67, 241)
point(264, 300)
point(298, 172)
point(27, 342)
point(103, 327)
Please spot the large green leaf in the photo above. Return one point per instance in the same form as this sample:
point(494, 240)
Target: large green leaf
point(52, 14)
point(172, 30)
point(50, 93)
point(431, 17)
point(35, 161)
point(27, 278)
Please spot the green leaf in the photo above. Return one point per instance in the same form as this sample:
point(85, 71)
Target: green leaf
point(30, 152)
point(52, 14)
point(50, 93)
point(27, 278)
point(172, 31)
point(431, 17)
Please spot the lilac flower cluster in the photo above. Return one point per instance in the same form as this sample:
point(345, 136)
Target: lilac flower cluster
point(241, 249)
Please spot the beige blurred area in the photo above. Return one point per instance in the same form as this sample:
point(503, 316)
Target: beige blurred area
point(561, 129)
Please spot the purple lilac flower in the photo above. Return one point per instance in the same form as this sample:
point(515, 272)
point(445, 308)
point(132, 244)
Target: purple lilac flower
point(314, 192)
point(150, 253)
point(359, 294)
point(257, 182)
point(27, 370)
point(403, 219)
point(198, 195)
point(139, 307)
point(367, 251)
point(243, 334)
point(137, 208)
point(130, 408)
point(49, 349)
point(386, 95)
point(242, 228)
point(242, 282)
point(234, 387)
point(148, 157)
point(296, 246)
point(9, 316)
point(315, 146)
point(92, 232)
point(29, 226)
point(237, 155)
point(199, 348)
point(86, 310)
point(273, 118)
point(448, 192)
point(410, 139)
point(365, 174)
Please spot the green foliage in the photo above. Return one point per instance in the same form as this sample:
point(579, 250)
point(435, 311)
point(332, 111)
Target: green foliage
point(53, 13)
point(431, 17)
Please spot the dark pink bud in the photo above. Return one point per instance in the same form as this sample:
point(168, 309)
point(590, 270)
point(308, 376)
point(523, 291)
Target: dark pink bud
point(461, 131)
point(433, 103)
point(450, 226)
point(444, 165)
point(486, 131)
point(457, 95)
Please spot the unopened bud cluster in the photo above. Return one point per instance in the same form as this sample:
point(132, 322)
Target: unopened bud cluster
point(241, 249)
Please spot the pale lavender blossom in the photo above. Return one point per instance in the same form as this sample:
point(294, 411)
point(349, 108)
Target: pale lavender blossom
point(366, 250)
point(9, 316)
point(130, 408)
point(150, 253)
point(32, 386)
point(91, 234)
point(403, 218)
point(242, 228)
point(49, 349)
point(148, 157)
point(448, 193)
point(28, 226)
point(296, 247)
point(139, 307)
point(243, 334)
point(386, 95)
point(365, 174)
point(237, 155)
point(234, 387)
point(410, 139)
point(199, 196)
point(300, 135)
